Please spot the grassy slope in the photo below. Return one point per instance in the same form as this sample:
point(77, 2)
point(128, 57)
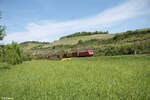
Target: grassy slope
point(100, 78)
point(74, 40)
point(66, 41)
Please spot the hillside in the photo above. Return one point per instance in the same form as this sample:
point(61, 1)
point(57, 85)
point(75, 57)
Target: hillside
point(34, 45)
point(130, 42)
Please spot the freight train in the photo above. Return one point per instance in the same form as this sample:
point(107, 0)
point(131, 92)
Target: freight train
point(87, 53)
point(76, 54)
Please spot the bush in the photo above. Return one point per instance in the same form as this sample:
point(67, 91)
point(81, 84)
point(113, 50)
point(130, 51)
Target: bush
point(99, 52)
point(80, 42)
point(12, 54)
point(111, 51)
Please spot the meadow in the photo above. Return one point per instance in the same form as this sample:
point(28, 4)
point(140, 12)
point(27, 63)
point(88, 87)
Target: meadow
point(94, 78)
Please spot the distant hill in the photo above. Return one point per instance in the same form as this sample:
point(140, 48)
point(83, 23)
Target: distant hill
point(28, 45)
point(130, 42)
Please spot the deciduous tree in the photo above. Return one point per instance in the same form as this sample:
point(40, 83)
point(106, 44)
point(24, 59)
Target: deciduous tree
point(2, 30)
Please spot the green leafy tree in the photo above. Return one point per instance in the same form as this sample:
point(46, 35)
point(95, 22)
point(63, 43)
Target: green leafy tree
point(2, 30)
point(10, 53)
point(2, 34)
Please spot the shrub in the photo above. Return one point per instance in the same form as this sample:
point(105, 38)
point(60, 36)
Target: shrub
point(12, 54)
point(80, 42)
point(99, 52)
point(111, 51)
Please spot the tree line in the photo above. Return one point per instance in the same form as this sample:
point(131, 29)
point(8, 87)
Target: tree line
point(84, 34)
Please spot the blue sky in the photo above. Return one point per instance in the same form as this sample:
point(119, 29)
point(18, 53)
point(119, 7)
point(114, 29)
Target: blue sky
point(48, 20)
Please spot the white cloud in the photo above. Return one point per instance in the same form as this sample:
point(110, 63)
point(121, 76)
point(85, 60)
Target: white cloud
point(51, 30)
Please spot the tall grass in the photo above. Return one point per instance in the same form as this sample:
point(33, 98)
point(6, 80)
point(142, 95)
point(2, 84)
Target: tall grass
point(97, 78)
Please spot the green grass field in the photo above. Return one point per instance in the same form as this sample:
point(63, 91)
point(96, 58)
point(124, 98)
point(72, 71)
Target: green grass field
point(97, 78)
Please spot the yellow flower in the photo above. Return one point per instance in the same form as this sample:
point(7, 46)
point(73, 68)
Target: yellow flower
point(65, 59)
